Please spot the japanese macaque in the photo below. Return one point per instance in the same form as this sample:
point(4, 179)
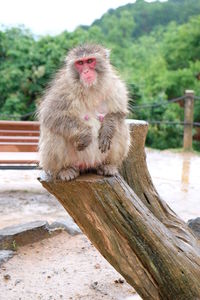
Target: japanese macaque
point(82, 117)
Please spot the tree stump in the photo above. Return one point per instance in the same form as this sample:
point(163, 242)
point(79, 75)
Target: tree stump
point(135, 230)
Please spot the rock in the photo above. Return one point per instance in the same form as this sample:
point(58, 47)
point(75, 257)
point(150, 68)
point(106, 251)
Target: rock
point(68, 225)
point(194, 224)
point(7, 277)
point(19, 235)
point(23, 234)
point(120, 280)
point(5, 255)
point(97, 266)
point(94, 285)
point(17, 281)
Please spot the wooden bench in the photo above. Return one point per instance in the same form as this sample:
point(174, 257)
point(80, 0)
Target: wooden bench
point(19, 142)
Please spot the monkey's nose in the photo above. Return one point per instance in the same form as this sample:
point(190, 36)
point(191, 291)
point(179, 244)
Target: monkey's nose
point(85, 71)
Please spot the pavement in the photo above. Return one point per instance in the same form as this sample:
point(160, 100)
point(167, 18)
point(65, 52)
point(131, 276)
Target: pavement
point(176, 176)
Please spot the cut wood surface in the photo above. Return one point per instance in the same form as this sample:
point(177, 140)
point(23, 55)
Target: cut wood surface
point(133, 228)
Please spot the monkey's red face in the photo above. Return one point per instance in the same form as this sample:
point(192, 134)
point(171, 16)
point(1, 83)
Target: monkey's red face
point(86, 70)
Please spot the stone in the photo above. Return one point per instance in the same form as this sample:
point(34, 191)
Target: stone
point(67, 224)
point(7, 277)
point(194, 224)
point(5, 255)
point(18, 235)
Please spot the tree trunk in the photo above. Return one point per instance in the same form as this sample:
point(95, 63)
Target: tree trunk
point(134, 229)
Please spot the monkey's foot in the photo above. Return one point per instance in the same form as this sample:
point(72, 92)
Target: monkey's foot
point(46, 176)
point(107, 170)
point(68, 174)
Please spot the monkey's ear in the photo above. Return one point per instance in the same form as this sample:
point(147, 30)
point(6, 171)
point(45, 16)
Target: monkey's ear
point(107, 51)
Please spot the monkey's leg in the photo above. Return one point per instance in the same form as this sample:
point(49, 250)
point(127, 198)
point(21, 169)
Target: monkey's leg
point(68, 173)
point(107, 170)
point(118, 151)
point(56, 158)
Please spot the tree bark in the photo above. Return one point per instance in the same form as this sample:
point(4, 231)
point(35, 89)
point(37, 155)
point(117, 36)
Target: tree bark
point(133, 228)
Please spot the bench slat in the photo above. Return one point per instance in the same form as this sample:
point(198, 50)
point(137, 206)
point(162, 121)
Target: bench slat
point(10, 158)
point(19, 125)
point(19, 139)
point(19, 132)
point(18, 161)
point(18, 147)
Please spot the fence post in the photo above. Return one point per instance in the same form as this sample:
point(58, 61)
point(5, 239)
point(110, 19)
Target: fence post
point(188, 119)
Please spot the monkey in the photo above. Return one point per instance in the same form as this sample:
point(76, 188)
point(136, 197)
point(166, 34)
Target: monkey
point(82, 116)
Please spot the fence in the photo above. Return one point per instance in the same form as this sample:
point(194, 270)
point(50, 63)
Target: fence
point(188, 122)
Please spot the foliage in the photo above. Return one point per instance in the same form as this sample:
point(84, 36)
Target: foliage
point(148, 16)
point(155, 46)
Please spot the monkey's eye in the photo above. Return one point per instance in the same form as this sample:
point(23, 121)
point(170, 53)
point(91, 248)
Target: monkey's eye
point(90, 60)
point(80, 62)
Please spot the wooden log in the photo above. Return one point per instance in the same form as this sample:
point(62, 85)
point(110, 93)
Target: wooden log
point(135, 171)
point(134, 229)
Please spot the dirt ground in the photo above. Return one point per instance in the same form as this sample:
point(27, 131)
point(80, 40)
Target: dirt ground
point(62, 267)
point(66, 267)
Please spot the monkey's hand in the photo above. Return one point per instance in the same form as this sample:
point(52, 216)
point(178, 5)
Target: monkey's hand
point(104, 142)
point(106, 133)
point(83, 139)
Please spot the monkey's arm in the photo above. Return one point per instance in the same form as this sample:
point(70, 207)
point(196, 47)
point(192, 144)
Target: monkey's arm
point(70, 127)
point(107, 129)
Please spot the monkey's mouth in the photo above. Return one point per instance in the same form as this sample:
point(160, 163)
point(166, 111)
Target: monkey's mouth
point(88, 81)
point(89, 78)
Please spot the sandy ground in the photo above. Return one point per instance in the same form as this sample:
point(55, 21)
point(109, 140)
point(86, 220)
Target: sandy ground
point(62, 267)
point(66, 267)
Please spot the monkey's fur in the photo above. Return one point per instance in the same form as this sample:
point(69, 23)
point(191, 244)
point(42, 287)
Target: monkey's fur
point(71, 142)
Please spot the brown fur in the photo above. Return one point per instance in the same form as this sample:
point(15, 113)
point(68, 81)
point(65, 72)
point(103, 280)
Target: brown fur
point(69, 141)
